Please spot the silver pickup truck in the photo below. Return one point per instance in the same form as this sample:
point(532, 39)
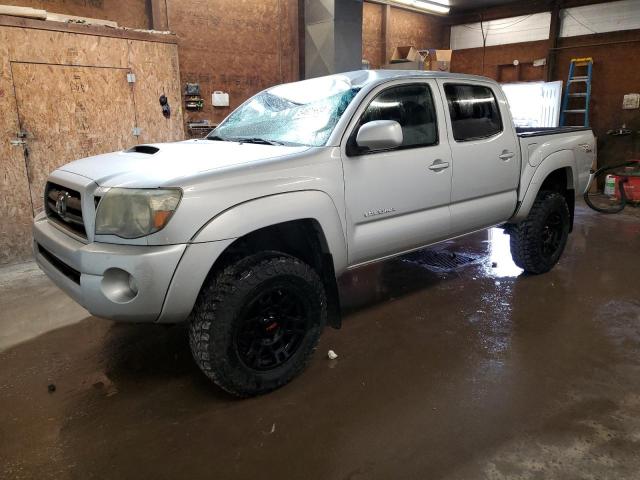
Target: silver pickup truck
point(243, 233)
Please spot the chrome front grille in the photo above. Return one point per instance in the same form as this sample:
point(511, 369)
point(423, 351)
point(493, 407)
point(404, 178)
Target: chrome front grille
point(64, 206)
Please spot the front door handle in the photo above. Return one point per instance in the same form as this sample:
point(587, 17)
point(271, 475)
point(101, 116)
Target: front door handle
point(506, 155)
point(438, 165)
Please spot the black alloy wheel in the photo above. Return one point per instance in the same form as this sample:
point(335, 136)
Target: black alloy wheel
point(552, 234)
point(271, 328)
point(257, 322)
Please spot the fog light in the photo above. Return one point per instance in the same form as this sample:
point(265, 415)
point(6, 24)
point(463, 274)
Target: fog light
point(119, 286)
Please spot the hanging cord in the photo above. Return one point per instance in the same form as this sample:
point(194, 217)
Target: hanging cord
point(484, 40)
point(623, 197)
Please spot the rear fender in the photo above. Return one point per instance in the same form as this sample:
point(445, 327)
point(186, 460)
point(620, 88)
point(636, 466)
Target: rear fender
point(557, 160)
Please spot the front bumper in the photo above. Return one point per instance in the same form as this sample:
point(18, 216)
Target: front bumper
point(95, 274)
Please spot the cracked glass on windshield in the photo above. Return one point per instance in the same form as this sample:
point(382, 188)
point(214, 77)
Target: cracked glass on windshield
point(301, 113)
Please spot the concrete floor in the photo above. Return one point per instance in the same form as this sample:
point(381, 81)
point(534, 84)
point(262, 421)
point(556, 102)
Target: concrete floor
point(479, 372)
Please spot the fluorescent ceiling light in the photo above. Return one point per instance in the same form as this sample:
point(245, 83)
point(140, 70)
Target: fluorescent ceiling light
point(435, 6)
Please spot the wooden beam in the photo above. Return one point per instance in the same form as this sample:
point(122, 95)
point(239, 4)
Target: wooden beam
point(386, 33)
point(498, 12)
point(97, 30)
point(301, 40)
point(159, 15)
point(554, 31)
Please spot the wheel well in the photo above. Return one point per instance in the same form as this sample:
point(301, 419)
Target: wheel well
point(303, 239)
point(561, 181)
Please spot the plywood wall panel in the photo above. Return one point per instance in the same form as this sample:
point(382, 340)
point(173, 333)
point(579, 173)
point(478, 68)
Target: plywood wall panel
point(85, 111)
point(157, 73)
point(412, 28)
point(372, 34)
point(74, 101)
point(128, 13)
point(237, 46)
point(470, 60)
point(288, 32)
point(406, 27)
point(15, 206)
point(42, 46)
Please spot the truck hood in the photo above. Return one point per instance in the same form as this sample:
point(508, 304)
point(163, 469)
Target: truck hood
point(166, 164)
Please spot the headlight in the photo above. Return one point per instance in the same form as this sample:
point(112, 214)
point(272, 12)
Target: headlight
point(133, 213)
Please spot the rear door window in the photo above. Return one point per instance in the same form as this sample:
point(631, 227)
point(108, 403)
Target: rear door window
point(474, 111)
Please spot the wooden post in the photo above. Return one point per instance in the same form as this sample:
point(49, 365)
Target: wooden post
point(386, 33)
point(301, 41)
point(159, 15)
point(554, 30)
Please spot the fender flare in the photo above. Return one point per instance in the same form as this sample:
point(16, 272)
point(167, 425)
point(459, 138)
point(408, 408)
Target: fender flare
point(244, 218)
point(551, 163)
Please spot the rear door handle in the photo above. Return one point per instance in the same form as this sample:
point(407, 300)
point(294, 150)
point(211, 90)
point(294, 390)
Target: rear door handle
point(438, 165)
point(506, 155)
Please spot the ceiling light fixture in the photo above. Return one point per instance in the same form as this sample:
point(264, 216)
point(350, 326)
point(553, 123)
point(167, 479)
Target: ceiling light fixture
point(433, 6)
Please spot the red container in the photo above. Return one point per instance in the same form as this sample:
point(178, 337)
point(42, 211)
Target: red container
point(631, 186)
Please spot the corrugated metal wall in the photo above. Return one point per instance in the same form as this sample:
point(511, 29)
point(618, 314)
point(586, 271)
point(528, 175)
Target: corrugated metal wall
point(526, 28)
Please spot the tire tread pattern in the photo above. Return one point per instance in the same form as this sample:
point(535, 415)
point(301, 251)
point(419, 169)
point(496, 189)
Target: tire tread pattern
point(524, 241)
point(210, 323)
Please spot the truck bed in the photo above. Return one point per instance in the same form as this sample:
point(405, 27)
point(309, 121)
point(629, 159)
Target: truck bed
point(537, 131)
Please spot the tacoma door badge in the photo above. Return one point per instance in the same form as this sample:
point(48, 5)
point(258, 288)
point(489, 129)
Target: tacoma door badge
point(380, 211)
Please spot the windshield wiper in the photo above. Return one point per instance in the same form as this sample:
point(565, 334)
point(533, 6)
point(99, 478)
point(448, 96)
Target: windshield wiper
point(260, 141)
point(216, 138)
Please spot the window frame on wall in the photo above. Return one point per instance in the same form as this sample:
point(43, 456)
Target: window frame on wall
point(352, 148)
point(452, 121)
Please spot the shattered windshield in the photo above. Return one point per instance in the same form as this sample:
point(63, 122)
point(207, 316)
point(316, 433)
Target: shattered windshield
point(301, 113)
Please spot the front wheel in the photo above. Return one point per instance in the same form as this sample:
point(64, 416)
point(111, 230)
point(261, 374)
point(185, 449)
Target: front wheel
point(256, 324)
point(539, 240)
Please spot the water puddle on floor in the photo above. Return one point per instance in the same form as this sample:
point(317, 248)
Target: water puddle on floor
point(499, 263)
point(495, 261)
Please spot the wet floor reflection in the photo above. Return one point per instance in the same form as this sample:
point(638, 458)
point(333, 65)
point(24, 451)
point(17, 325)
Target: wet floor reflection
point(474, 372)
point(499, 263)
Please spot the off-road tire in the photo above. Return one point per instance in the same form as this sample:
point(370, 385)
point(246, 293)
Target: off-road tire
point(527, 237)
point(215, 321)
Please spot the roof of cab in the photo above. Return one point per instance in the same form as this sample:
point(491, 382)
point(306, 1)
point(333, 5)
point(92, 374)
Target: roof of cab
point(365, 79)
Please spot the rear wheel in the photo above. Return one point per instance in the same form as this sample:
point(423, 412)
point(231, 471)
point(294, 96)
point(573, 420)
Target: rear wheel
point(538, 241)
point(256, 324)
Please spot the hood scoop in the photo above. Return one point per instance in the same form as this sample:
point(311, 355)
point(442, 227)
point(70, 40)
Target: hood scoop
point(148, 149)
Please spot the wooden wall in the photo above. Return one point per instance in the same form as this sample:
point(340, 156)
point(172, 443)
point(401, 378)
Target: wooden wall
point(373, 34)
point(405, 28)
point(496, 59)
point(615, 72)
point(128, 13)
point(29, 45)
point(239, 47)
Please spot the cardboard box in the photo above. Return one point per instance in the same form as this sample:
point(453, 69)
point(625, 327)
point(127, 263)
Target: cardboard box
point(405, 58)
point(437, 60)
point(408, 53)
point(410, 58)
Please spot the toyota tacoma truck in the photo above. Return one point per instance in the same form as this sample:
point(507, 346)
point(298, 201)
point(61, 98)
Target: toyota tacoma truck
point(243, 233)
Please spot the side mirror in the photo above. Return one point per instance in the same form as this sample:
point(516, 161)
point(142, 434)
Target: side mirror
point(380, 135)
